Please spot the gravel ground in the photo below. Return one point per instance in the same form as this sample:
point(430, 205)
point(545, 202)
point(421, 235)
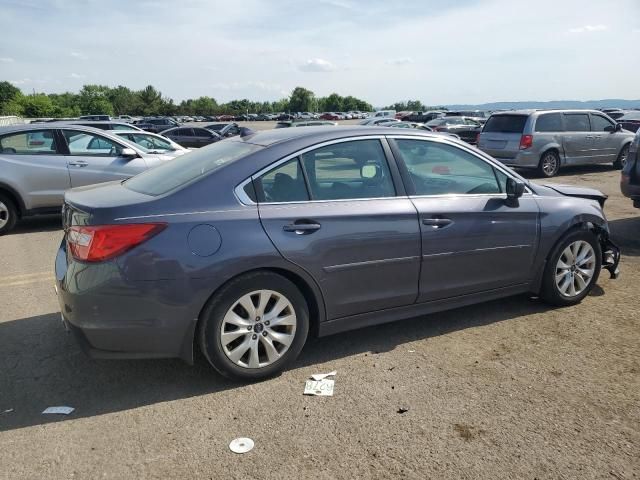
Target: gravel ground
point(506, 389)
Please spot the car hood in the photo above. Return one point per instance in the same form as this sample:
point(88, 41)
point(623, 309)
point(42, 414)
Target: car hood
point(582, 192)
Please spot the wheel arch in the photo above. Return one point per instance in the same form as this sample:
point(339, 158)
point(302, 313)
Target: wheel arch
point(591, 223)
point(304, 282)
point(14, 196)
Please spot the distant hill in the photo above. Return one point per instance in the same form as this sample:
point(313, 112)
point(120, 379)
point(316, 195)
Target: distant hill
point(606, 103)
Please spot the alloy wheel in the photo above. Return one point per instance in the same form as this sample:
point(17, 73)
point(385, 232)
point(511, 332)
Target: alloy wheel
point(4, 215)
point(575, 268)
point(258, 329)
point(623, 157)
point(549, 164)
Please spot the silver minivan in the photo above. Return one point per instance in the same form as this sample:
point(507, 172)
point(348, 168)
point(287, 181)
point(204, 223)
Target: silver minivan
point(549, 139)
point(39, 162)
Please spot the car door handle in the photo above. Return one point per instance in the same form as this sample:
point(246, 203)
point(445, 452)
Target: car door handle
point(437, 222)
point(302, 228)
point(78, 163)
point(588, 136)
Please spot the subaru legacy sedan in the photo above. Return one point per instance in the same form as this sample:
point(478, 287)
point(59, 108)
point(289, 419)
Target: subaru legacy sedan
point(245, 248)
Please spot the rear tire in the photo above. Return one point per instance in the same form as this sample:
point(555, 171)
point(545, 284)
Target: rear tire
point(8, 214)
point(621, 161)
point(572, 269)
point(549, 164)
point(254, 327)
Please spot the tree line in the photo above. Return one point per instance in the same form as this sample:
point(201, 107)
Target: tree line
point(101, 99)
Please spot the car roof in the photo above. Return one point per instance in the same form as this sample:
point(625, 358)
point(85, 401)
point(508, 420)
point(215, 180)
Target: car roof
point(531, 111)
point(266, 138)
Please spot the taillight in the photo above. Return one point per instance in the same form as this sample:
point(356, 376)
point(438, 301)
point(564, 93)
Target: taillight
point(526, 141)
point(97, 243)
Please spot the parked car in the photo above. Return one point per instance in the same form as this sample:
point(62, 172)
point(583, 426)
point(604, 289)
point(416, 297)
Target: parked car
point(225, 130)
point(153, 142)
point(330, 116)
point(630, 120)
point(479, 116)
point(423, 117)
point(247, 247)
point(102, 125)
point(614, 113)
point(285, 116)
point(225, 118)
point(192, 137)
point(466, 128)
point(630, 178)
point(378, 121)
point(547, 140)
point(39, 162)
point(310, 123)
point(98, 118)
point(419, 126)
point(157, 125)
point(383, 113)
point(127, 118)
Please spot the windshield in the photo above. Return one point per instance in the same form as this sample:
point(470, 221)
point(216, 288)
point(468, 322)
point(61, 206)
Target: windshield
point(149, 142)
point(188, 167)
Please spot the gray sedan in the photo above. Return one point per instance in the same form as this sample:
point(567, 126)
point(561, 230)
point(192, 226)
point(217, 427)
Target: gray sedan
point(247, 247)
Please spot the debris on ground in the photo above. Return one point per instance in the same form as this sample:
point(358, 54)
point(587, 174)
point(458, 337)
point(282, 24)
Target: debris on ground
point(8, 410)
point(241, 445)
point(320, 386)
point(402, 410)
point(58, 410)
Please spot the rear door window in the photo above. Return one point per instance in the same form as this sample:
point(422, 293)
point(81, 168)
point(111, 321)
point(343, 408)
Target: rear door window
point(35, 142)
point(549, 122)
point(577, 122)
point(85, 143)
point(505, 124)
point(284, 183)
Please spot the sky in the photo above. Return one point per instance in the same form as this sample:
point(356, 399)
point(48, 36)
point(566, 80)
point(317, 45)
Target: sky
point(383, 51)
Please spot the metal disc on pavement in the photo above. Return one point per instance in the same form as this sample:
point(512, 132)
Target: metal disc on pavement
point(241, 445)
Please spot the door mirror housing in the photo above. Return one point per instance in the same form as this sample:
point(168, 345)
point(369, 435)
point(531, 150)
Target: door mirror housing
point(515, 188)
point(129, 153)
point(618, 127)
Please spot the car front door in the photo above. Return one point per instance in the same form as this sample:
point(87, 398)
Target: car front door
point(35, 158)
point(337, 212)
point(606, 143)
point(185, 137)
point(472, 239)
point(577, 139)
point(202, 137)
point(92, 158)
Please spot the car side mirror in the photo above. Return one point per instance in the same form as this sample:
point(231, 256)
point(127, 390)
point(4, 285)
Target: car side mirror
point(515, 189)
point(129, 153)
point(618, 127)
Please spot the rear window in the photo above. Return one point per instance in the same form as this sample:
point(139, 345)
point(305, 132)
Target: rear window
point(182, 170)
point(505, 124)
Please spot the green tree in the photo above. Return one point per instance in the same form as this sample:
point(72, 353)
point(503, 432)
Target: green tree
point(301, 100)
point(9, 96)
point(123, 100)
point(93, 100)
point(38, 105)
point(151, 100)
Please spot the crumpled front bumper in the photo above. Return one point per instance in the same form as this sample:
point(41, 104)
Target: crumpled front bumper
point(610, 257)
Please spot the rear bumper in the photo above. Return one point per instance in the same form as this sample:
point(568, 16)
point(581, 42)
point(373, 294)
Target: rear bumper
point(521, 159)
point(113, 317)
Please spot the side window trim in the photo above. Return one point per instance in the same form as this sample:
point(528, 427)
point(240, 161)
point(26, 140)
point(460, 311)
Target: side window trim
point(244, 198)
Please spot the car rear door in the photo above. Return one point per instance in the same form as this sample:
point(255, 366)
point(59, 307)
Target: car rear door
point(202, 137)
point(345, 220)
point(93, 158)
point(606, 144)
point(184, 137)
point(472, 240)
point(32, 161)
point(577, 139)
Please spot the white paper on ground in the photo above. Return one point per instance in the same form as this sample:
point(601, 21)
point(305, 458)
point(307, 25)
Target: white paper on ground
point(321, 376)
point(321, 388)
point(241, 445)
point(61, 410)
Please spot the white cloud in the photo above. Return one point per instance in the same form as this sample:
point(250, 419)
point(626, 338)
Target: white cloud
point(6, 60)
point(588, 28)
point(400, 61)
point(78, 55)
point(21, 81)
point(76, 75)
point(317, 65)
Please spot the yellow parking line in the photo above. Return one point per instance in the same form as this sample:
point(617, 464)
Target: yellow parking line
point(27, 275)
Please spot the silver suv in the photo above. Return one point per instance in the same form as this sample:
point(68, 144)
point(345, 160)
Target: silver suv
point(39, 162)
point(549, 139)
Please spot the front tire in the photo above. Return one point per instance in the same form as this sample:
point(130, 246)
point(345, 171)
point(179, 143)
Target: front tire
point(572, 269)
point(549, 164)
point(8, 214)
point(621, 161)
point(254, 327)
